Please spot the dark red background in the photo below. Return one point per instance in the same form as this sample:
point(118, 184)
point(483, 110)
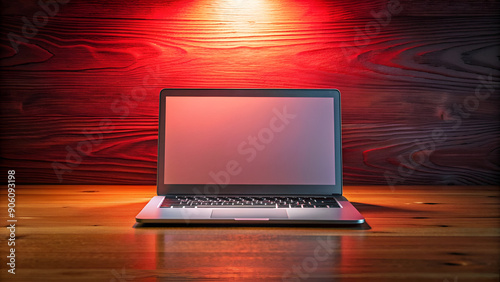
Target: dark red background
point(80, 93)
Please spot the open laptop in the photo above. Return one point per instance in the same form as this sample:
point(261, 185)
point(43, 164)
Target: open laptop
point(249, 156)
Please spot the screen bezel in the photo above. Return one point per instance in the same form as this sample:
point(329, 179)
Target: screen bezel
point(250, 189)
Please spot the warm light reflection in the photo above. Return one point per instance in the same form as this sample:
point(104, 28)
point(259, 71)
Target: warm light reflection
point(244, 15)
point(250, 253)
point(243, 10)
point(242, 43)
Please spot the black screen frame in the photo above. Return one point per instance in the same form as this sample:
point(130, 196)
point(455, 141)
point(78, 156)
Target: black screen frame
point(249, 189)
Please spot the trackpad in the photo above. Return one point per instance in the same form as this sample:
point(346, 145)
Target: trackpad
point(251, 213)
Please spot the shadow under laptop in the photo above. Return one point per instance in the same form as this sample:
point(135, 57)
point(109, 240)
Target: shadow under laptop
point(364, 207)
point(364, 226)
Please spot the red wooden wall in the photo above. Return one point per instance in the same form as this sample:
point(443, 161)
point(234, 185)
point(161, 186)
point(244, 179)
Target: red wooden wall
point(419, 81)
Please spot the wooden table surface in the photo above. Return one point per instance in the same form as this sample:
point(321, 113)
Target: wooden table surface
point(413, 233)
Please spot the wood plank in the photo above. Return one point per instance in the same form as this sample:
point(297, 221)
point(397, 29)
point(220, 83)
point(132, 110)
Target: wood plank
point(446, 54)
point(299, 9)
point(401, 78)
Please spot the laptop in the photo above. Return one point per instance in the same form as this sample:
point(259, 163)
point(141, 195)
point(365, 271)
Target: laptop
point(249, 156)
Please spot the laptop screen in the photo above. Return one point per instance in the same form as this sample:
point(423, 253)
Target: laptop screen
point(249, 140)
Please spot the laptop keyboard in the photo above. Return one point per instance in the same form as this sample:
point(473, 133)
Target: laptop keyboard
point(248, 202)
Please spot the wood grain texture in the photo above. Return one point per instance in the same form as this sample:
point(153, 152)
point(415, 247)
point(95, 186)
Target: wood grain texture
point(401, 78)
point(413, 233)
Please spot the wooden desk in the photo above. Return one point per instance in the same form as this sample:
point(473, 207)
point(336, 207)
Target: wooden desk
point(88, 233)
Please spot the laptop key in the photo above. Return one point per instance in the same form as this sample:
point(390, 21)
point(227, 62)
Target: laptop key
point(330, 204)
point(236, 206)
